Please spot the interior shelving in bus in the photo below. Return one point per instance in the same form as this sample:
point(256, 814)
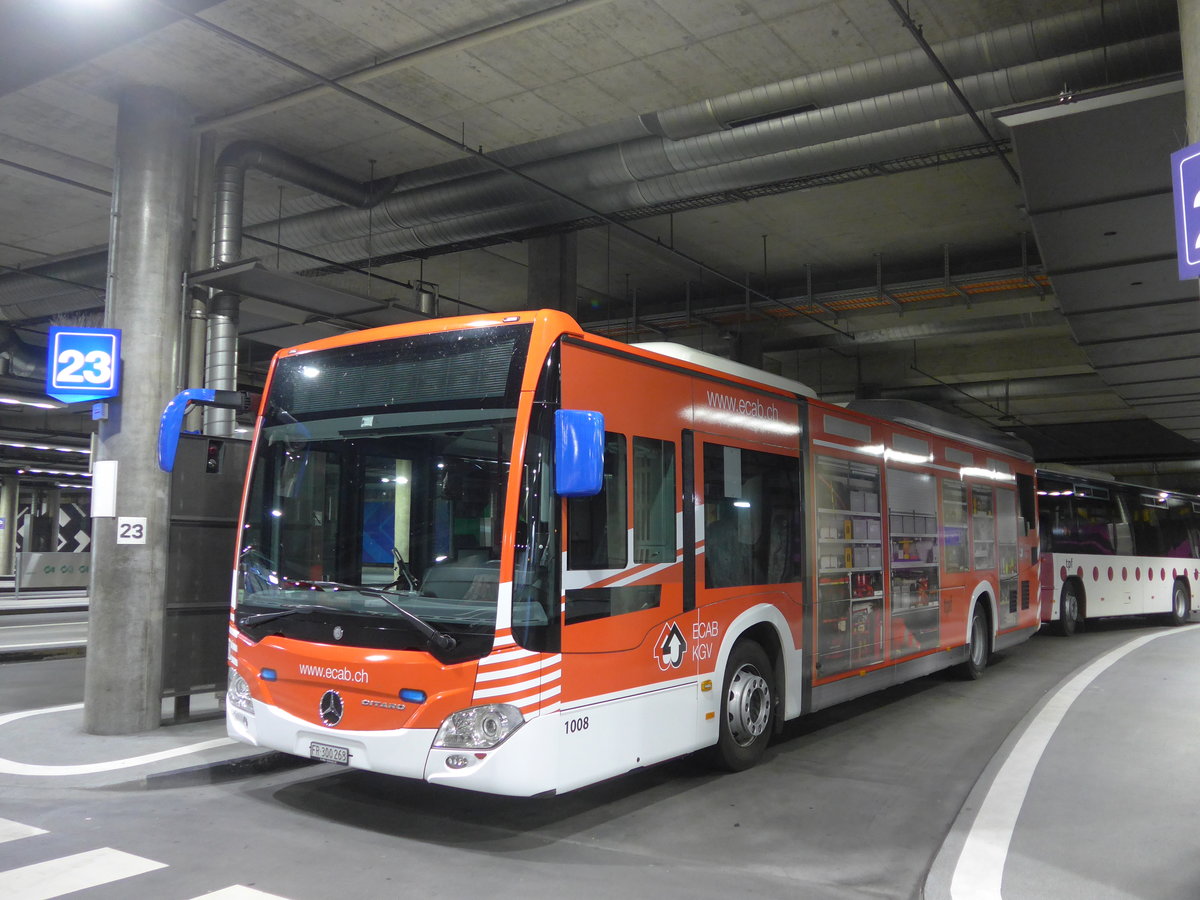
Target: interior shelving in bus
point(955, 543)
point(1006, 545)
point(914, 561)
point(983, 528)
point(849, 566)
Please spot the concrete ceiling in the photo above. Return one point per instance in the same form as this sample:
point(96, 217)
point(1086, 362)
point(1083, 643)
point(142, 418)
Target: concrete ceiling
point(784, 180)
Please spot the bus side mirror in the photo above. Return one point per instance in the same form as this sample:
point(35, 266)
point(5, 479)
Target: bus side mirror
point(172, 418)
point(578, 453)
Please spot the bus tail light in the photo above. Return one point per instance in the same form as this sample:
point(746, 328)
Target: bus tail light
point(480, 727)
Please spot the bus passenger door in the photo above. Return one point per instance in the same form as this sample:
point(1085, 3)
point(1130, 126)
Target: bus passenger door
point(750, 534)
point(626, 641)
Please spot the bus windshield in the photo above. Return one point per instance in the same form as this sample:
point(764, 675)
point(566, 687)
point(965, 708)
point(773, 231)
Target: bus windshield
point(376, 497)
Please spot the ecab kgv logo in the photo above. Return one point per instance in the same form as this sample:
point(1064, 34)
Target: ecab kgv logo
point(671, 647)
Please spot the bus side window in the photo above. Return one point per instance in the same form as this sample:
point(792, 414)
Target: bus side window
point(654, 539)
point(751, 503)
point(597, 525)
point(1176, 539)
point(1148, 536)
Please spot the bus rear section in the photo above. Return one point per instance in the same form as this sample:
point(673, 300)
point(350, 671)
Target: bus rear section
point(924, 546)
point(1112, 549)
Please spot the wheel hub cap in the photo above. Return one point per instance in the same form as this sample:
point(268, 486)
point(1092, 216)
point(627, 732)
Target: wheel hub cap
point(749, 705)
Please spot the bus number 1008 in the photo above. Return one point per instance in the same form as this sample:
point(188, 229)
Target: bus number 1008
point(573, 725)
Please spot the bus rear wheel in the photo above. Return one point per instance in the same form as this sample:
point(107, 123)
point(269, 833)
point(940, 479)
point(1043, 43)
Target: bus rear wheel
point(747, 708)
point(1181, 605)
point(1070, 618)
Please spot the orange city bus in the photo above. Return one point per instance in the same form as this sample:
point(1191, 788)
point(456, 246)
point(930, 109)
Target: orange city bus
point(502, 554)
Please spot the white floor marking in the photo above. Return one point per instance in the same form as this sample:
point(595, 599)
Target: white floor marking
point(239, 892)
point(11, 831)
point(980, 868)
point(11, 767)
point(45, 880)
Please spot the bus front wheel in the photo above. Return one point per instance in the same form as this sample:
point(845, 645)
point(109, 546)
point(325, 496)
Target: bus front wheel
point(1181, 605)
point(747, 708)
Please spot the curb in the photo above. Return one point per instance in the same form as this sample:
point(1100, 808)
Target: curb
point(225, 770)
point(40, 653)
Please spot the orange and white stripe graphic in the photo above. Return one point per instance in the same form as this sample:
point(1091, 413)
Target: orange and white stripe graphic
point(528, 680)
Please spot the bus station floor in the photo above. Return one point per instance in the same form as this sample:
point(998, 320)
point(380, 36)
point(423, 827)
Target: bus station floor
point(1094, 794)
point(51, 743)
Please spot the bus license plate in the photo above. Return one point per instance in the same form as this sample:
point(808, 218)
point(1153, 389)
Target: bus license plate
point(326, 753)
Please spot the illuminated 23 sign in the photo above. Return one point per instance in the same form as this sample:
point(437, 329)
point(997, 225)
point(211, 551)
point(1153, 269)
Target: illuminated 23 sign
point(83, 364)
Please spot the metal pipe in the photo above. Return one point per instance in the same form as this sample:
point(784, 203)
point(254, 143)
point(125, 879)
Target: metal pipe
point(652, 171)
point(704, 153)
point(230, 188)
point(220, 370)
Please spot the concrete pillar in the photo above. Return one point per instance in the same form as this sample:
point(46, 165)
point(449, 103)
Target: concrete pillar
point(1189, 40)
point(553, 263)
point(9, 491)
point(51, 507)
point(147, 258)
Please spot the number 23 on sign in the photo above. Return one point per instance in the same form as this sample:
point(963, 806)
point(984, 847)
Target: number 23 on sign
point(131, 529)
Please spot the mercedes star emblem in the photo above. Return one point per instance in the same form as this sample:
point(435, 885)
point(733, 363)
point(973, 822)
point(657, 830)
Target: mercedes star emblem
point(331, 708)
point(337, 632)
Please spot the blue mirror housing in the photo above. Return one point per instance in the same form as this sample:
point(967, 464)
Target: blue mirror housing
point(578, 453)
point(172, 418)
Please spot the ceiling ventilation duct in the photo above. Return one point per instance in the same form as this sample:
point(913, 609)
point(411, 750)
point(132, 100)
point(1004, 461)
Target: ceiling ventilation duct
point(691, 150)
point(652, 171)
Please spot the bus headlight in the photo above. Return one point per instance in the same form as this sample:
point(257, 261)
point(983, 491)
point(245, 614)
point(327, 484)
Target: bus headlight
point(480, 727)
point(238, 694)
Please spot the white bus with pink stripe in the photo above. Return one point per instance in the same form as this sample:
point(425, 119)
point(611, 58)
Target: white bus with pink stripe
point(1112, 549)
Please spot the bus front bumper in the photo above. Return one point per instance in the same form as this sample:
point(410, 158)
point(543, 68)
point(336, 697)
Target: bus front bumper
point(521, 766)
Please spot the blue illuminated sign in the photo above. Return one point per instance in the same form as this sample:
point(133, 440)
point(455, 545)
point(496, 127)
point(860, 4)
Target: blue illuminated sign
point(1185, 181)
point(83, 364)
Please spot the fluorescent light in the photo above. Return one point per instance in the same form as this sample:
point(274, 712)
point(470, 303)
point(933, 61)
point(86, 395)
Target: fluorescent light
point(890, 455)
point(14, 400)
point(992, 474)
point(57, 447)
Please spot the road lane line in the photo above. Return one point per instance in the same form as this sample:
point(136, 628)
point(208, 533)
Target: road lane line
point(12, 831)
point(45, 880)
point(45, 645)
point(980, 868)
point(239, 892)
point(11, 767)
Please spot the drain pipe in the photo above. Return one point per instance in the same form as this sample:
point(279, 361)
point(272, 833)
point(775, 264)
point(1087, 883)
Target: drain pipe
point(196, 329)
point(229, 190)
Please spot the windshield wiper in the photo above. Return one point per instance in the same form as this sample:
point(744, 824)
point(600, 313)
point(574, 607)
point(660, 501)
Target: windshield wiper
point(261, 618)
point(439, 639)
